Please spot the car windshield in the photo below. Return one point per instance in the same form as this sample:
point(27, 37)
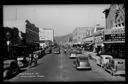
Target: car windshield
point(83, 58)
point(108, 57)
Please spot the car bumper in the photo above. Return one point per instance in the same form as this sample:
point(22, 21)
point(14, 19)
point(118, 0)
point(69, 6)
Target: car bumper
point(72, 57)
point(83, 68)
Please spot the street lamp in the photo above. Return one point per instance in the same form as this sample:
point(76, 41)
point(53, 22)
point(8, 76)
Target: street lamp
point(8, 35)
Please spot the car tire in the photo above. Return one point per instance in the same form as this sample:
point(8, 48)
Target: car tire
point(7, 74)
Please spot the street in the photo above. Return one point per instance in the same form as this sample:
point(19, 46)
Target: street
point(58, 67)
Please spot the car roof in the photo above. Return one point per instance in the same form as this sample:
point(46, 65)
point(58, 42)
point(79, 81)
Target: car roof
point(118, 59)
point(82, 56)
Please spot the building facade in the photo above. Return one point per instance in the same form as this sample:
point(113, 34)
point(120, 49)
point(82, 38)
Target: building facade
point(79, 33)
point(32, 33)
point(94, 37)
point(114, 34)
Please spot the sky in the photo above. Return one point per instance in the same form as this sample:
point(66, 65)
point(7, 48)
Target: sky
point(62, 18)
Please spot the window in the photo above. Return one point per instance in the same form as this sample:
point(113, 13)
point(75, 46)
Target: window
point(108, 57)
point(120, 62)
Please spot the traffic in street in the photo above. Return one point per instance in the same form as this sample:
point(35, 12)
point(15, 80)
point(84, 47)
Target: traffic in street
point(63, 43)
point(59, 67)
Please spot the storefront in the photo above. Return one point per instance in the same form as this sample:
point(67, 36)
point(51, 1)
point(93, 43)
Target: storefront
point(89, 43)
point(114, 42)
point(98, 39)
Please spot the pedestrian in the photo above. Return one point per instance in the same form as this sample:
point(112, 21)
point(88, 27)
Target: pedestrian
point(65, 51)
point(35, 56)
point(31, 59)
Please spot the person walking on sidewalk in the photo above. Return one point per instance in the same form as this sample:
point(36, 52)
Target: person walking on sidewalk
point(30, 60)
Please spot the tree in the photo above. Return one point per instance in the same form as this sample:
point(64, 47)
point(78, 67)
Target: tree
point(16, 39)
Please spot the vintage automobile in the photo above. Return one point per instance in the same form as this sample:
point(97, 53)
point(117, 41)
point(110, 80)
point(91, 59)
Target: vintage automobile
point(116, 66)
point(82, 63)
point(105, 59)
point(22, 61)
point(10, 68)
point(21, 54)
point(37, 53)
point(56, 50)
point(73, 55)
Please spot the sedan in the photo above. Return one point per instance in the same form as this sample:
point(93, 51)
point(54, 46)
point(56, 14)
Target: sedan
point(10, 68)
point(105, 59)
point(116, 66)
point(82, 62)
point(73, 55)
point(22, 61)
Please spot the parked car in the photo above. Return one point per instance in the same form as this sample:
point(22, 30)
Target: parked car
point(56, 51)
point(105, 59)
point(22, 61)
point(73, 55)
point(82, 62)
point(21, 55)
point(116, 66)
point(37, 53)
point(10, 68)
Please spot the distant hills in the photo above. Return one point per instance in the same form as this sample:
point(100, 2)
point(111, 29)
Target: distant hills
point(62, 38)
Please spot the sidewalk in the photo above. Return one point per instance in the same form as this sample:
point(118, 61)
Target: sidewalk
point(92, 54)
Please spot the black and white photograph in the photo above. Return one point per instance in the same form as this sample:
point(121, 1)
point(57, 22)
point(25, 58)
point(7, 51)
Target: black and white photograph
point(64, 43)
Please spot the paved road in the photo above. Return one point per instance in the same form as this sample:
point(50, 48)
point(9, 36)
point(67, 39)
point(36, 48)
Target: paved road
point(58, 67)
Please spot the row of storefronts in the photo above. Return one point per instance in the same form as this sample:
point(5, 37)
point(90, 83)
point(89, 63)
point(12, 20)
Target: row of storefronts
point(110, 40)
point(114, 40)
point(107, 41)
